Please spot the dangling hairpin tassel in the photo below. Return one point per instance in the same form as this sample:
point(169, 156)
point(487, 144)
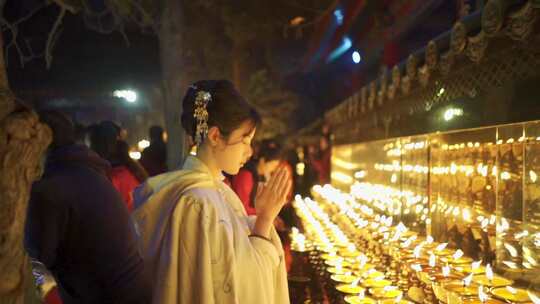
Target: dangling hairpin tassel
point(201, 115)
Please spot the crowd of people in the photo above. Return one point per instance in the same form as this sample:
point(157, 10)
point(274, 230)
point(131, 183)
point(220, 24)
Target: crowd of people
point(110, 229)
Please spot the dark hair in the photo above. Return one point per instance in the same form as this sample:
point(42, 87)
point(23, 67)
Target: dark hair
point(61, 126)
point(227, 109)
point(156, 133)
point(103, 139)
point(270, 150)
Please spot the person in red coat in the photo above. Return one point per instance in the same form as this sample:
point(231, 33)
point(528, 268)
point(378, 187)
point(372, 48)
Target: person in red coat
point(126, 174)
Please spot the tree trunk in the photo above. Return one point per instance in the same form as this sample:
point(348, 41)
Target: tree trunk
point(22, 142)
point(170, 43)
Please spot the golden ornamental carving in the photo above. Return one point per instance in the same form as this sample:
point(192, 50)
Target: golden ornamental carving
point(406, 85)
point(364, 94)
point(432, 55)
point(477, 46)
point(412, 63)
point(396, 76)
point(423, 75)
point(521, 23)
point(372, 95)
point(391, 91)
point(493, 17)
point(380, 98)
point(447, 61)
point(458, 38)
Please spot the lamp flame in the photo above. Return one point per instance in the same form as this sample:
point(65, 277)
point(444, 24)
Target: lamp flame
point(481, 294)
point(489, 272)
point(446, 270)
point(441, 247)
point(417, 250)
point(432, 260)
point(511, 249)
point(534, 297)
point(362, 294)
point(416, 267)
point(475, 265)
point(467, 280)
point(458, 254)
point(511, 289)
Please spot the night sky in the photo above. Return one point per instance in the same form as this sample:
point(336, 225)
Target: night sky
point(88, 66)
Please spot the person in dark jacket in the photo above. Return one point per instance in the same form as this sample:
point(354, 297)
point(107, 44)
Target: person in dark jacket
point(79, 228)
point(126, 174)
point(154, 158)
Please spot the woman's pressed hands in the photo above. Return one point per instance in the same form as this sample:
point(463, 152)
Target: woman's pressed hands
point(270, 199)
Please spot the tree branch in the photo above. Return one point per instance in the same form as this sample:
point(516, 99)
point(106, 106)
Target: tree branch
point(51, 41)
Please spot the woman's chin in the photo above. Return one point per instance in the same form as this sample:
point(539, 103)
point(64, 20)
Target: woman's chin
point(232, 171)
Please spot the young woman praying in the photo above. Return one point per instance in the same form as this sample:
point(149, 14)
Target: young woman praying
point(198, 242)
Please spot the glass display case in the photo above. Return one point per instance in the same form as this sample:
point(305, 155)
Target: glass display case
point(477, 190)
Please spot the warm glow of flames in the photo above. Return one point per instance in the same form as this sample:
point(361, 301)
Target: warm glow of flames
point(363, 260)
point(362, 294)
point(481, 294)
point(475, 265)
point(441, 247)
point(511, 290)
point(389, 288)
point(417, 250)
point(429, 239)
point(511, 264)
point(398, 298)
point(458, 254)
point(355, 282)
point(489, 272)
point(351, 248)
point(511, 249)
point(534, 297)
point(446, 270)
point(467, 280)
point(416, 267)
point(432, 260)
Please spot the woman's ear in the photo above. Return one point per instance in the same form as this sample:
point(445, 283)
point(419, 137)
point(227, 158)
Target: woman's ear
point(213, 136)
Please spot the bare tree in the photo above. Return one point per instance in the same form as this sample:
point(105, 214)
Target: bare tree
point(22, 142)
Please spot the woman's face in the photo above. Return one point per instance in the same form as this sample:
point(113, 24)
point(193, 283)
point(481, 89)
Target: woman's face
point(233, 152)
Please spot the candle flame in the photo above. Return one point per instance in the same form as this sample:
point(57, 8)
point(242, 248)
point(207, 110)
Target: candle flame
point(511, 249)
point(511, 289)
point(446, 270)
point(389, 288)
point(489, 272)
point(467, 280)
point(355, 282)
point(511, 264)
point(398, 298)
point(432, 260)
point(417, 250)
point(458, 254)
point(429, 239)
point(362, 294)
point(441, 247)
point(534, 297)
point(416, 267)
point(363, 260)
point(475, 265)
point(481, 294)
point(351, 248)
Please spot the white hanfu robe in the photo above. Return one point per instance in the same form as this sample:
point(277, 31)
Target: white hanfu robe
point(195, 238)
